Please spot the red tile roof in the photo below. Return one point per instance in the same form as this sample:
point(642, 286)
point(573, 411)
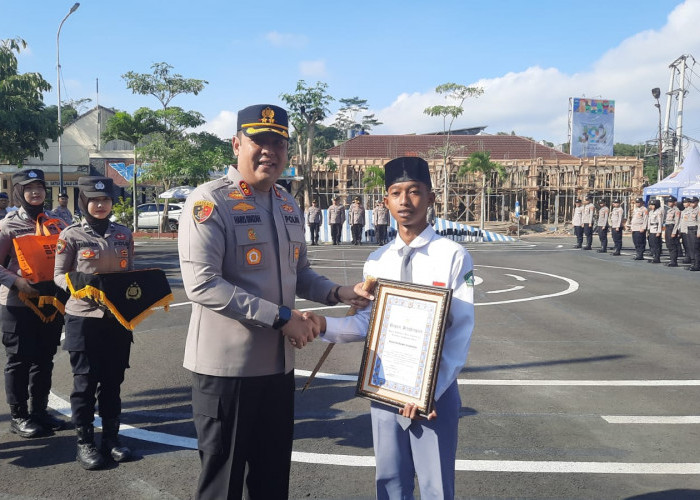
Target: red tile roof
point(502, 147)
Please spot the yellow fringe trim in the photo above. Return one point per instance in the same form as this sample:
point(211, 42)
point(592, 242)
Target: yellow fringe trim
point(98, 295)
point(44, 300)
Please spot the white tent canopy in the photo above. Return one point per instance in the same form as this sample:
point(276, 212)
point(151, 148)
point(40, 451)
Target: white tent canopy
point(177, 193)
point(687, 174)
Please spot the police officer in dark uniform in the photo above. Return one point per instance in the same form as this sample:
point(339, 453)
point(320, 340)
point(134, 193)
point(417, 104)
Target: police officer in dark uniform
point(98, 344)
point(30, 344)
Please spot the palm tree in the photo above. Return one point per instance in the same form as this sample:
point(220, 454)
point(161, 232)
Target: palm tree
point(132, 129)
point(480, 161)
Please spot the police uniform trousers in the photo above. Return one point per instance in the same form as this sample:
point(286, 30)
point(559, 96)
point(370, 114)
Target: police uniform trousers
point(244, 434)
point(578, 232)
point(617, 240)
point(655, 247)
point(672, 244)
point(694, 245)
point(313, 229)
point(381, 234)
point(639, 240)
point(427, 449)
point(688, 249)
point(336, 232)
point(356, 233)
point(30, 346)
point(588, 232)
point(603, 237)
point(99, 351)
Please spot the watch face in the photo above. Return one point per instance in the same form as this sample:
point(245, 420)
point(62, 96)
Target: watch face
point(285, 313)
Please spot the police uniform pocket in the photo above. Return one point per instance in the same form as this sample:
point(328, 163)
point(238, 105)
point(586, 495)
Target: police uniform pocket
point(253, 248)
point(206, 416)
point(296, 240)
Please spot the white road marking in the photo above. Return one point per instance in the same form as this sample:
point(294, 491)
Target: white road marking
point(519, 278)
point(573, 286)
point(632, 419)
point(560, 246)
point(513, 289)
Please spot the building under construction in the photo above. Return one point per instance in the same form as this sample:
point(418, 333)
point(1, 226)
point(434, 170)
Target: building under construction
point(543, 180)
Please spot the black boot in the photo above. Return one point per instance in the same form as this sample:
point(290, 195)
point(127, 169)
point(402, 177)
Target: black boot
point(111, 445)
point(602, 250)
point(672, 264)
point(88, 456)
point(43, 417)
point(21, 424)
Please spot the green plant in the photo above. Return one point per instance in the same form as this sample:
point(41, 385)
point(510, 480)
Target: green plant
point(124, 212)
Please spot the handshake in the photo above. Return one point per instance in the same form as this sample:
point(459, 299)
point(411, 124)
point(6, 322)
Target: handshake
point(304, 327)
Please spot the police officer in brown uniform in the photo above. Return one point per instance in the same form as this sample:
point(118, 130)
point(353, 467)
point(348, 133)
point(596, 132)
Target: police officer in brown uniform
point(356, 218)
point(243, 259)
point(336, 218)
point(314, 218)
point(380, 218)
point(670, 222)
point(694, 234)
point(30, 344)
point(655, 221)
point(99, 346)
point(681, 230)
point(638, 225)
point(577, 222)
point(602, 223)
point(62, 210)
point(587, 220)
point(617, 216)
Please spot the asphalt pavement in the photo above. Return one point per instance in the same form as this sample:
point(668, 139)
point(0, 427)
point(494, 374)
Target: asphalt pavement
point(582, 382)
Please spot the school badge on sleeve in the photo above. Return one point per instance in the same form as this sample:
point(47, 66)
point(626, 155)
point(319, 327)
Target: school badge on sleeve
point(202, 210)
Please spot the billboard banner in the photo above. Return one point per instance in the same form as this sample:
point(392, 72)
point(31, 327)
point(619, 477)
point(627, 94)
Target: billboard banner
point(592, 127)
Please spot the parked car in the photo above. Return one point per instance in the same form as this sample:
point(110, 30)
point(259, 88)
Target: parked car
point(150, 215)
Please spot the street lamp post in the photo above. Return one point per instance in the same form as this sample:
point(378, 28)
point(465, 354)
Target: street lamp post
point(58, 86)
point(656, 92)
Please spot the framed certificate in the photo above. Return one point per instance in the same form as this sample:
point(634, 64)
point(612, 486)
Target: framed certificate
point(402, 351)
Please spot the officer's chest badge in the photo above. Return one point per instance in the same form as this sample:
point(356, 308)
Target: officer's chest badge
point(88, 254)
point(251, 235)
point(133, 292)
point(123, 264)
point(245, 188)
point(235, 194)
point(124, 252)
point(253, 257)
point(287, 208)
point(243, 207)
point(202, 210)
point(120, 236)
point(60, 246)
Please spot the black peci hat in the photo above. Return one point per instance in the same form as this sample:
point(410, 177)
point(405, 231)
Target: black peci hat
point(616, 200)
point(261, 118)
point(694, 199)
point(94, 186)
point(407, 168)
point(639, 200)
point(671, 199)
point(24, 177)
point(602, 201)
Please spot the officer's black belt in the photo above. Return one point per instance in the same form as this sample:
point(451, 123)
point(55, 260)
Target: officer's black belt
point(130, 296)
point(50, 302)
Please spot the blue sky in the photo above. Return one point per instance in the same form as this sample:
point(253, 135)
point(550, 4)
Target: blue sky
point(530, 57)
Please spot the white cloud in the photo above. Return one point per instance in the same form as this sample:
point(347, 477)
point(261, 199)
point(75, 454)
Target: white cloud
point(287, 40)
point(534, 102)
point(223, 125)
point(315, 69)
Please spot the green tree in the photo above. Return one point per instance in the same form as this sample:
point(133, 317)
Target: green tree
point(307, 107)
point(455, 93)
point(133, 129)
point(373, 179)
point(480, 162)
point(346, 120)
point(161, 84)
point(25, 123)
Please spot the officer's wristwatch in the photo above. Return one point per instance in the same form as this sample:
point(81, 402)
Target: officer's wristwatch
point(284, 314)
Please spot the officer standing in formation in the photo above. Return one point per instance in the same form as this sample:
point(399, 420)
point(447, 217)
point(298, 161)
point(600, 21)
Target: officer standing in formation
point(693, 234)
point(587, 220)
point(380, 218)
point(62, 210)
point(603, 215)
point(314, 218)
point(430, 215)
point(577, 222)
point(4, 202)
point(638, 225)
point(336, 218)
point(670, 222)
point(617, 219)
point(688, 220)
point(99, 346)
point(30, 344)
point(655, 222)
point(243, 259)
point(356, 218)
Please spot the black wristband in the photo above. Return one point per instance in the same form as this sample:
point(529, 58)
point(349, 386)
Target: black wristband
point(336, 295)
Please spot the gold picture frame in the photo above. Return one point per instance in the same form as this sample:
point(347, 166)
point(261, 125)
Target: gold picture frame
point(401, 358)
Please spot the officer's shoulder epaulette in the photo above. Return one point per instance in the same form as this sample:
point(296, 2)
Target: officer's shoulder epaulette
point(281, 188)
point(120, 226)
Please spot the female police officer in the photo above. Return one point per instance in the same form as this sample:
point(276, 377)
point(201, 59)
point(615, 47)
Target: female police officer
point(30, 343)
point(99, 345)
